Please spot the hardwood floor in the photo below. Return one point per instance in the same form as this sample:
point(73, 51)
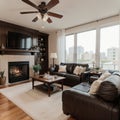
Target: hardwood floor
point(9, 111)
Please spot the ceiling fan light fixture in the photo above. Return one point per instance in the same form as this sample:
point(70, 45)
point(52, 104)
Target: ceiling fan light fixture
point(45, 17)
point(43, 10)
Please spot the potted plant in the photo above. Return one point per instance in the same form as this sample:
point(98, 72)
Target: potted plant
point(36, 69)
point(2, 78)
point(97, 69)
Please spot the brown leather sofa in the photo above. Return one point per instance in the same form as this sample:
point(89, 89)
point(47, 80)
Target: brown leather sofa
point(105, 105)
point(71, 78)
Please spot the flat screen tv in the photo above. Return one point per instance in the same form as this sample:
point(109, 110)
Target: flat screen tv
point(18, 41)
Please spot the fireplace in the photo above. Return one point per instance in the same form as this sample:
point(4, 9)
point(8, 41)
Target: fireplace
point(18, 71)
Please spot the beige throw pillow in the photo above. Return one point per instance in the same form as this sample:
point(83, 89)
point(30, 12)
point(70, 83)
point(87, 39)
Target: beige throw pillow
point(94, 87)
point(83, 69)
point(62, 68)
point(78, 70)
point(104, 75)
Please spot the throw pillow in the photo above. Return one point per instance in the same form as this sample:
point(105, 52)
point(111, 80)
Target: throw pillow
point(62, 68)
point(94, 87)
point(104, 75)
point(78, 70)
point(83, 69)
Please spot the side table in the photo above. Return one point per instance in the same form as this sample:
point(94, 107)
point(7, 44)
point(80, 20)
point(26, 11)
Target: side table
point(94, 76)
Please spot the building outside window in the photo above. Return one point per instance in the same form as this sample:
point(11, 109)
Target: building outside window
point(69, 48)
point(80, 47)
point(86, 42)
point(109, 47)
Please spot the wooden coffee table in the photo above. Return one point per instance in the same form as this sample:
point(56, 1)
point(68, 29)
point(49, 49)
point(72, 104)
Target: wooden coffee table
point(48, 81)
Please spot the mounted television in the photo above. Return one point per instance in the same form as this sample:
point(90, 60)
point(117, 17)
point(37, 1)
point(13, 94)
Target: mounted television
point(18, 41)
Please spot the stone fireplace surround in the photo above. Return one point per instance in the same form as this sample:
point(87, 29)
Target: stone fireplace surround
point(4, 59)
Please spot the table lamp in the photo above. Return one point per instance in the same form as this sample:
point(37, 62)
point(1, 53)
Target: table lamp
point(53, 56)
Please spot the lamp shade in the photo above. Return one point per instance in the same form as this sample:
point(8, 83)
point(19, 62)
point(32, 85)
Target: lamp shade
point(53, 55)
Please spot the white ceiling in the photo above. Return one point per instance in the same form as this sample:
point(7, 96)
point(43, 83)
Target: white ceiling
point(75, 12)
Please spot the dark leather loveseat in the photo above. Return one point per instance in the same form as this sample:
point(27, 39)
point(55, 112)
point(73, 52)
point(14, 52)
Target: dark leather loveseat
point(105, 105)
point(71, 78)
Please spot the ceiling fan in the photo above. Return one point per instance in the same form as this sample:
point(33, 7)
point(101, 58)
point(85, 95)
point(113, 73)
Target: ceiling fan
point(43, 9)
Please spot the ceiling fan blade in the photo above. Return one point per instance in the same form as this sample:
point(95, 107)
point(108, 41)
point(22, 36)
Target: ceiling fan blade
point(51, 4)
point(31, 4)
point(29, 12)
point(55, 15)
point(35, 19)
point(49, 20)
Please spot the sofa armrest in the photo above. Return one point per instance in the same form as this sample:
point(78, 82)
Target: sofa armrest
point(84, 106)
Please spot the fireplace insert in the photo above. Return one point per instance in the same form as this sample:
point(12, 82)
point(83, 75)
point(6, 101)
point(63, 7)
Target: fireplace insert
point(18, 71)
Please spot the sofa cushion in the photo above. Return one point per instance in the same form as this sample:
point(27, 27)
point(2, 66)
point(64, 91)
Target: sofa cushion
point(84, 87)
point(69, 68)
point(109, 89)
point(72, 77)
point(60, 73)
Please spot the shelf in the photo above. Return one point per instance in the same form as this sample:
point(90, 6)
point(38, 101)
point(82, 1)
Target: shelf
point(3, 51)
point(43, 54)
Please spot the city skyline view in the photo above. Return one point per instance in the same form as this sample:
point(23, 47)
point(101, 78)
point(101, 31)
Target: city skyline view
point(83, 46)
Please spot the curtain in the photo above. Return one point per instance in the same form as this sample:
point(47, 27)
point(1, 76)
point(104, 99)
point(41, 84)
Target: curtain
point(119, 44)
point(61, 45)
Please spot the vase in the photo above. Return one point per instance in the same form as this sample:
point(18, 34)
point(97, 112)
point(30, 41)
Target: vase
point(36, 73)
point(2, 80)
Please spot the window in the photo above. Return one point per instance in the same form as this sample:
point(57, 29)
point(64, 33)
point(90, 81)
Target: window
point(80, 47)
point(86, 43)
point(109, 47)
point(69, 48)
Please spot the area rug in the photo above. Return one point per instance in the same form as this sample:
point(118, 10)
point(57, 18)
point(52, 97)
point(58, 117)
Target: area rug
point(35, 102)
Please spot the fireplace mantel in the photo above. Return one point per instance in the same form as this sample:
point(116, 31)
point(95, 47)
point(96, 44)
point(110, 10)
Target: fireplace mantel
point(17, 51)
